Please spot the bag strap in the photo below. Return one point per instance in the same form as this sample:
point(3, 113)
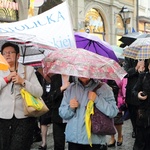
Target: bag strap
point(97, 87)
point(24, 72)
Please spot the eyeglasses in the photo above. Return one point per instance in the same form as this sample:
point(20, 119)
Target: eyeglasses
point(9, 53)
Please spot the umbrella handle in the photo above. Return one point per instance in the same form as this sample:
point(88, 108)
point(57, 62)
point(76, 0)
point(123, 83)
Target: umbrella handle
point(12, 88)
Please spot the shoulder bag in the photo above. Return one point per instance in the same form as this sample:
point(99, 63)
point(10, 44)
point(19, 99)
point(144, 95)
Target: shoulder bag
point(100, 123)
point(33, 106)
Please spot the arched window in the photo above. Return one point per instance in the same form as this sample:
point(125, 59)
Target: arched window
point(119, 23)
point(94, 23)
point(120, 29)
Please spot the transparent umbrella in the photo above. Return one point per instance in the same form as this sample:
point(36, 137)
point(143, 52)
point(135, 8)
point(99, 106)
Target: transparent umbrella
point(32, 48)
point(82, 63)
point(139, 49)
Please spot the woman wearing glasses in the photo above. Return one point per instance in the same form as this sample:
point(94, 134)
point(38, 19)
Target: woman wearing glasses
point(16, 130)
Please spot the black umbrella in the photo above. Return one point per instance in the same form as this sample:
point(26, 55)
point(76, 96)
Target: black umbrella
point(128, 39)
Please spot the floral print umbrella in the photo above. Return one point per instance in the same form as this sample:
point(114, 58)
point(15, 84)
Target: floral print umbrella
point(82, 63)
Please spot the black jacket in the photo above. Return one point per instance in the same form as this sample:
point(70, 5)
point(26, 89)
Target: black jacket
point(132, 76)
point(56, 97)
point(114, 87)
point(46, 94)
point(143, 84)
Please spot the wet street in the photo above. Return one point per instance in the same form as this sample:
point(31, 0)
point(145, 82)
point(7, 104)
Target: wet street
point(127, 139)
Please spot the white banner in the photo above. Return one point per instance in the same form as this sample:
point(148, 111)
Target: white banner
point(54, 26)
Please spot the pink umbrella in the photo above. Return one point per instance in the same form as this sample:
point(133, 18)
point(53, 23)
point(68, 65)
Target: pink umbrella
point(82, 63)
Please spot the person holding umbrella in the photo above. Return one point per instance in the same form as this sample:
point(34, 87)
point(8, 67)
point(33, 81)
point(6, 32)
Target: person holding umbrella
point(73, 109)
point(133, 67)
point(88, 70)
point(16, 129)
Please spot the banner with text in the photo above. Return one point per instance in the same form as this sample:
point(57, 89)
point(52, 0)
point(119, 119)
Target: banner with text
point(54, 26)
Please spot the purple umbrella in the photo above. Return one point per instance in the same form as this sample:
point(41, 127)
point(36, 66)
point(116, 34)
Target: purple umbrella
point(94, 44)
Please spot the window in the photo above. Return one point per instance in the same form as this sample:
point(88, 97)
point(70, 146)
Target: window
point(94, 23)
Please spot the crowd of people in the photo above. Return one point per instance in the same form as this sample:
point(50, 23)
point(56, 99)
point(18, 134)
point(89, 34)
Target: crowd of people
point(66, 98)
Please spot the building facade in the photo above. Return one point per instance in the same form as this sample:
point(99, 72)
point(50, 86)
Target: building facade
point(99, 17)
point(144, 16)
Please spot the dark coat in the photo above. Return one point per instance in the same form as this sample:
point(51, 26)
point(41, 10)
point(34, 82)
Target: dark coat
point(46, 95)
point(56, 96)
point(143, 84)
point(45, 85)
point(114, 87)
point(132, 76)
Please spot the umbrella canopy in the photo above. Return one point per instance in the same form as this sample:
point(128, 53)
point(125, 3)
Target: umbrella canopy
point(94, 44)
point(82, 63)
point(3, 63)
point(139, 49)
point(32, 48)
point(128, 39)
point(118, 51)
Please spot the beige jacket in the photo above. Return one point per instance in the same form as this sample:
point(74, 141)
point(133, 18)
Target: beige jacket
point(12, 104)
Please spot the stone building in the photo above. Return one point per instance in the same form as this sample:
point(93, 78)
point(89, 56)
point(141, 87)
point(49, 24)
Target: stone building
point(99, 17)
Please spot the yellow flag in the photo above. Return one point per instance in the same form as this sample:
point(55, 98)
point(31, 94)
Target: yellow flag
point(88, 113)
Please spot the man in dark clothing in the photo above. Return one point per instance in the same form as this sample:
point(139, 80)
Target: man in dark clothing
point(59, 83)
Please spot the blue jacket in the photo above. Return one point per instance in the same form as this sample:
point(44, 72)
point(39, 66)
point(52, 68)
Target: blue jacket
point(75, 130)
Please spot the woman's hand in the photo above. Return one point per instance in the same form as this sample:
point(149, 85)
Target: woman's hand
point(11, 75)
point(17, 79)
point(65, 82)
point(140, 67)
point(64, 86)
point(92, 96)
point(74, 103)
point(142, 97)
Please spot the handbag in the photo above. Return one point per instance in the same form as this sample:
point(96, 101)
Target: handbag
point(100, 123)
point(33, 106)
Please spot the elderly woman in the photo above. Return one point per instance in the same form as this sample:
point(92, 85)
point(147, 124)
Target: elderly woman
point(16, 130)
point(73, 108)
